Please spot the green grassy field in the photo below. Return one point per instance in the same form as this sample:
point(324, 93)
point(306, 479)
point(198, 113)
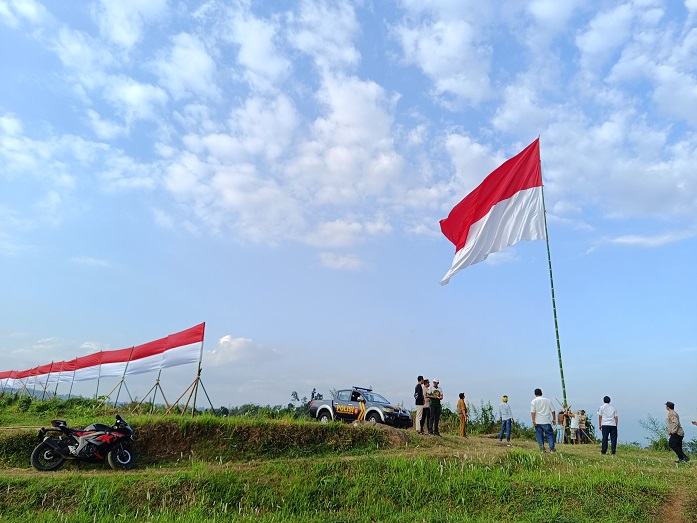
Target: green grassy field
point(227, 469)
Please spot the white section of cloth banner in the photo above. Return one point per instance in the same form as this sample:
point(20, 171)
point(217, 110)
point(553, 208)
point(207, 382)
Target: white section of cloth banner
point(521, 217)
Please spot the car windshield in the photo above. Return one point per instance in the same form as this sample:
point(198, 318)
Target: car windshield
point(374, 398)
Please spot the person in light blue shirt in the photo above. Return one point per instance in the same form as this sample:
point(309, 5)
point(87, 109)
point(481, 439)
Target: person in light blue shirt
point(506, 419)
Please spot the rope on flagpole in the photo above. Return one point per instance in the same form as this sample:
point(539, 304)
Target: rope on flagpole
point(554, 302)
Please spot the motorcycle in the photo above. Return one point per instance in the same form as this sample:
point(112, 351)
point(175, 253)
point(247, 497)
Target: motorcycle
point(93, 444)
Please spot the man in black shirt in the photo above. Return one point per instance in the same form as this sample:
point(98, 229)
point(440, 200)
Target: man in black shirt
point(419, 400)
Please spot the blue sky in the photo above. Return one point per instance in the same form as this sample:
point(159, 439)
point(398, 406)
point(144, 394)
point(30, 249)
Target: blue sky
point(278, 170)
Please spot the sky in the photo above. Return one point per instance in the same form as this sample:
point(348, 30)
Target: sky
point(278, 170)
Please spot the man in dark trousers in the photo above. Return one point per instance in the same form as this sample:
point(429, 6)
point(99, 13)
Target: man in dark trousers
point(427, 407)
point(675, 433)
point(435, 396)
point(419, 400)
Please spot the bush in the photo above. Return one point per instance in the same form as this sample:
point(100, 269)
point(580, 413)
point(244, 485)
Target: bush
point(658, 433)
point(24, 403)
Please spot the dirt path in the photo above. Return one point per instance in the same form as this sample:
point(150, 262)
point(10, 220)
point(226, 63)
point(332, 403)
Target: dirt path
point(672, 511)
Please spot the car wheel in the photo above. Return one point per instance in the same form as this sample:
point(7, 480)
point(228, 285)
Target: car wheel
point(324, 417)
point(374, 416)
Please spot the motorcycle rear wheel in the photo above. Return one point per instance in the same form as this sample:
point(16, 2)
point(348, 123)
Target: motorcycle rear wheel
point(121, 457)
point(45, 459)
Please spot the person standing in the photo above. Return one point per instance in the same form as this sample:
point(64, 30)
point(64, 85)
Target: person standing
point(574, 426)
point(582, 426)
point(561, 422)
point(419, 401)
point(462, 412)
point(427, 408)
point(543, 414)
point(435, 396)
point(607, 421)
point(675, 433)
point(505, 418)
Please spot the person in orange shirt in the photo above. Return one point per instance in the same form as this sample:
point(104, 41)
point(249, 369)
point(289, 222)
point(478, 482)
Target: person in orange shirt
point(462, 412)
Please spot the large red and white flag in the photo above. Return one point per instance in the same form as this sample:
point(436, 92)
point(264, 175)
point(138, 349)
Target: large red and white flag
point(505, 208)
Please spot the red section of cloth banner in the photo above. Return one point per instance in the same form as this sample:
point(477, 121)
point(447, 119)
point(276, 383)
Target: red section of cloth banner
point(179, 339)
point(514, 175)
point(116, 356)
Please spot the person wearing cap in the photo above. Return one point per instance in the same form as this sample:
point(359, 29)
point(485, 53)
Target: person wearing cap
point(675, 433)
point(506, 419)
point(435, 395)
point(607, 422)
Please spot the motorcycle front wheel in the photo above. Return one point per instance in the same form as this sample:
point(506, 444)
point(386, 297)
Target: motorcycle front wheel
point(44, 458)
point(121, 457)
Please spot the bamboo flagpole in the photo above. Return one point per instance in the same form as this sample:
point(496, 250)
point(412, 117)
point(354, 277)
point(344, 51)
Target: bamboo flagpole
point(554, 304)
point(123, 378)
point(48, 378)
point(198, 375)
point(99, 375)
point(55, 392)
point(70, 392)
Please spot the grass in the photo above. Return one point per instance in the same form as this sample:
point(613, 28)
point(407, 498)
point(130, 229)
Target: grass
point(241, 469)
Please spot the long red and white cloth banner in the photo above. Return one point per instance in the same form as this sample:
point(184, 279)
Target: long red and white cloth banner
point(176, 349)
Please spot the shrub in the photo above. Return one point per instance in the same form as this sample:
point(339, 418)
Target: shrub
point(658, 439)
point(24, 403)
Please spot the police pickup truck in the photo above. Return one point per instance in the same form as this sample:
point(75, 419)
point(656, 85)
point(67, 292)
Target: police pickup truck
point(348, 404)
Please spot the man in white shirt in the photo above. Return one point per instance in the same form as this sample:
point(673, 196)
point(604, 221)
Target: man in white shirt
point(607, 421)
point(542, 413)
point(574, 426)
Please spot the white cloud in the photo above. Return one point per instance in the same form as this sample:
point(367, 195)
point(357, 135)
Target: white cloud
point(551, 15)
point(676, 93)
point(134, 100)
point(521, 108)
point(350, 154)
point(13, 12)
point(325, 31)
point(451, 54)
point(265, 126)
point(122, 22)
point(605, 34)
point(188, 69)
point(472, 161)
point(263, 211)
point(83, 56)
point(652, 241)
point(236, 350)
point(105, 129)
point(338, 233)
point(123, 172)
point(91, 347)
point(259, 53)
point(350, 262)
